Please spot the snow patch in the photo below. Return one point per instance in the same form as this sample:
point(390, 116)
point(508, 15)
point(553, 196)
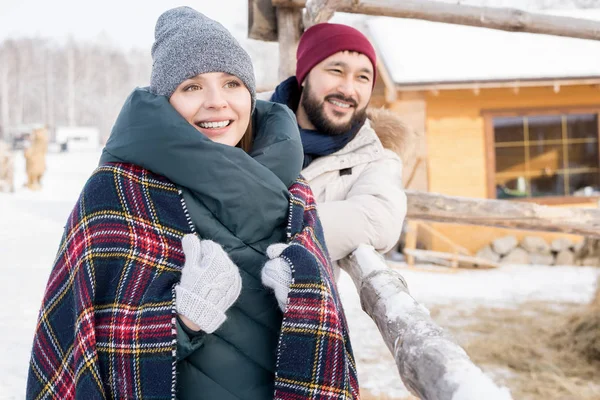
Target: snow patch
point(473, 384)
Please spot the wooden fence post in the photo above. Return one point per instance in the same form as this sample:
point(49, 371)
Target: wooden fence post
point(431, 364)
point(289, 26)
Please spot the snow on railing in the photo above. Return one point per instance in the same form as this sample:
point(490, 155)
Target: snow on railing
point(431, 364)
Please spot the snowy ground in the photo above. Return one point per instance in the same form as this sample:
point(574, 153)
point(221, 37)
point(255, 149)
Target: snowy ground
point(31, 226)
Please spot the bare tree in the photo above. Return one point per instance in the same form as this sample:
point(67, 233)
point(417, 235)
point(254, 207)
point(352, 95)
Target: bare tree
point(4, 91)
point(70, 53)
point(49, 98)
point(54, 84)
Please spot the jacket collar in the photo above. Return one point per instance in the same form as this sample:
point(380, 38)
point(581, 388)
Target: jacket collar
point(366, 139)
point(364, 148)
point(234, 186)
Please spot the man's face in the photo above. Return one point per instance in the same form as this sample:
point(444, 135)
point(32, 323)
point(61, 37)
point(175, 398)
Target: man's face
point(336, 93)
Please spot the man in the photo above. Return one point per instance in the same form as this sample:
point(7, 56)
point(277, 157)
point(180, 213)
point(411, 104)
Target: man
point(356, 181)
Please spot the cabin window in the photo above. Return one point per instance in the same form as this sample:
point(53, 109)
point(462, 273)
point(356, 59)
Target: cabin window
point(550, 155)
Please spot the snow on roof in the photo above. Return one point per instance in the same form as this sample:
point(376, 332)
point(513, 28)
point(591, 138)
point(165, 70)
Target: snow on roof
point(423, 52)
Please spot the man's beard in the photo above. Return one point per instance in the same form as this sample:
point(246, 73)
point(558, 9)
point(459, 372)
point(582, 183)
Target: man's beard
point(315, 111)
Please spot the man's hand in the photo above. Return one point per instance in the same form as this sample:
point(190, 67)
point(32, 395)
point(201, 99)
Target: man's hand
point(277, 274)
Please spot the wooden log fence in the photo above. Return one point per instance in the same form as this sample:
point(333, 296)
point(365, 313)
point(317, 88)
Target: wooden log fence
point(431, 364)
point(289, 26)
point(436, 207)
point(506, 19)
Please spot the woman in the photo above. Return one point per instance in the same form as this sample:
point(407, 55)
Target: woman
point(158, 290)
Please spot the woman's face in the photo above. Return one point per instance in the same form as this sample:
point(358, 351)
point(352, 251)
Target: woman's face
point(215, 103)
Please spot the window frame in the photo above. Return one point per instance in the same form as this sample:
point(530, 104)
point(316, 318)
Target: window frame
point(490, 151)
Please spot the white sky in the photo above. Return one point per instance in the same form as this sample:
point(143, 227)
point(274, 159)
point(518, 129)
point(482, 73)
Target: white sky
point(127, 23)
point(130, 23)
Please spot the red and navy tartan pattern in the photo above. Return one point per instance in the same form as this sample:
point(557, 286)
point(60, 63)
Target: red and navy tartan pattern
point(315, 359)
point(106, 329)
point(106, 326)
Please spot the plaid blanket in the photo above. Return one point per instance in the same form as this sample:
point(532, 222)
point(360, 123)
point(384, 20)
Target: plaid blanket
point(314, 357)
point(106, 326)
point(107, 329)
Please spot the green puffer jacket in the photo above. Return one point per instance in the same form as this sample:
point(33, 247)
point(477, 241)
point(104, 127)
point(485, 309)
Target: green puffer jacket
point(240, 201)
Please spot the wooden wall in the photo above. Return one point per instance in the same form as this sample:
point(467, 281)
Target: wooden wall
point(413, 109)
point(455, 130)
point(455, 143)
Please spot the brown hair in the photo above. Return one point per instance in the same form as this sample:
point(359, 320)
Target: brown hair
point(248, 138)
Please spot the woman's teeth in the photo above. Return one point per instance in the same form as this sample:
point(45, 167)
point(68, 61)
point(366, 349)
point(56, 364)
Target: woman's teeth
point(214, 125)
point(337, 103)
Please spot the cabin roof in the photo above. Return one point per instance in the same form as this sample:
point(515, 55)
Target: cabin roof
point(417, 52)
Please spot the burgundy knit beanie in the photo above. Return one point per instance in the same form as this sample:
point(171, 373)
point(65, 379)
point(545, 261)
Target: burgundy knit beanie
point(323, 40)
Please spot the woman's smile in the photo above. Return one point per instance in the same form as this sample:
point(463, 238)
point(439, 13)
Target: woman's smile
point(214, 128)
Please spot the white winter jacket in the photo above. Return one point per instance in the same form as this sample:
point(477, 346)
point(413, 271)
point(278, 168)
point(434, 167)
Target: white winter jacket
point(359, 194)
point(359, 188)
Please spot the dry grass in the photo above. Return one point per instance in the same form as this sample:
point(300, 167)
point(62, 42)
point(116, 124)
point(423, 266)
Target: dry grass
point(581, 334)
point(541, 351)
point(550, 351)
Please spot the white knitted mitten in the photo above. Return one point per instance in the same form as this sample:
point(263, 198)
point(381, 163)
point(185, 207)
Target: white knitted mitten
point(210, 283)
point(277, 274)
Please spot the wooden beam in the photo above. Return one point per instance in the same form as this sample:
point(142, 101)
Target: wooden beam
point(318, 11)
point(410, 240)
point(262, 20)
point(452, 260)
point(431, 364)
point(445, 239)
point(506, 19)
point(390, 91)
point(502, 213)
point(289, 26)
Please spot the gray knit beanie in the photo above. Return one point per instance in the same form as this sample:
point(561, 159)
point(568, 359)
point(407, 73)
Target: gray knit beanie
point(188, 43)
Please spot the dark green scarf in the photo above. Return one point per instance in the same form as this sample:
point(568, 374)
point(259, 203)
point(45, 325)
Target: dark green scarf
point(244, 192)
